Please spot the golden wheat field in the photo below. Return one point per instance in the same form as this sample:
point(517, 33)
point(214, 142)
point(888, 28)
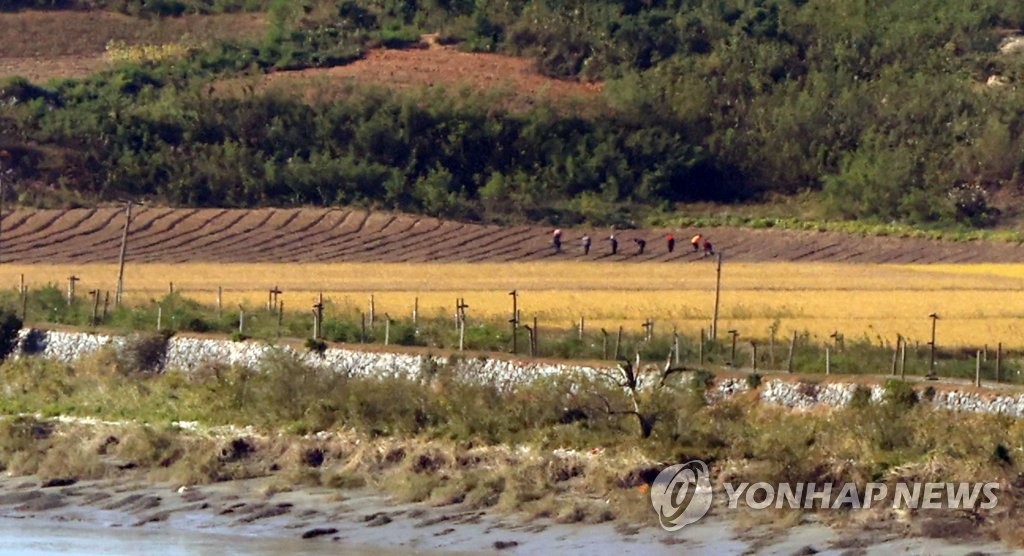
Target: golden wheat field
point(978, 304)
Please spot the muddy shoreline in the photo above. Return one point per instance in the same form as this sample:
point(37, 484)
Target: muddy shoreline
point(324, 520)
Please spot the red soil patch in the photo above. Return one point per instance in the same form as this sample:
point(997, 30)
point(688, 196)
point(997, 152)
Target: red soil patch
point(514, 80)
point(335, 235)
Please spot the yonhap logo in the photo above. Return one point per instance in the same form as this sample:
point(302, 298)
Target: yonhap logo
point(681, 494)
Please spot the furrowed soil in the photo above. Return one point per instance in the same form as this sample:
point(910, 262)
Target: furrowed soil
point(307, 235)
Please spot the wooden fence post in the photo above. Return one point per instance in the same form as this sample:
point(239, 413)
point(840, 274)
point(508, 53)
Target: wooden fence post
point(604, 344)
point(372, 307)
point(106, 304)
point(71, 289)
point(582, 322)
point(618, 345)
point(21, 284)
point(462, 334)
point(220, 300)
point(999, 362)
point(977, 369)
point(903, 360)
point(700, 348)
point(241, 320)
point(95, 306)
point(732, 357)
point(675, 347)
point(280, 314)
point(753, 355)
point(896, 354)
point(536, 338)
point(828, 361)
point(792, 348)
point(416, 312)
point(159, 317)
point(387, 329)
point(529, 330)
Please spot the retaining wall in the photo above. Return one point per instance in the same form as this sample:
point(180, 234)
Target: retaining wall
point(186, 354)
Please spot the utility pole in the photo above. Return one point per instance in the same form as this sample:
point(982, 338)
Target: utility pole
point(718, 293)
point(514, 321)
point(3, 156)
point(124, 246)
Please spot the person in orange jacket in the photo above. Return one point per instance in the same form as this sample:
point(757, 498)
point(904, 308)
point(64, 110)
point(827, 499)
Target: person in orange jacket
point(695, 242)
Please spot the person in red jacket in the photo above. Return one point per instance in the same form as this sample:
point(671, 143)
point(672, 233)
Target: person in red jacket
point(670, 240)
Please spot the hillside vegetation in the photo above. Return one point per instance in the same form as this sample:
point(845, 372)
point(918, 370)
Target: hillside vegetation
point(883, 110)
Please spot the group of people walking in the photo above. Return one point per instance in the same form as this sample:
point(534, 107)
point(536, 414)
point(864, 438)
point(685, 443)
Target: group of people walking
point(698, 242)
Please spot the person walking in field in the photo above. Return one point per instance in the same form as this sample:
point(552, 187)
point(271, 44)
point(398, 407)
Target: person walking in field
point(586, 245)
point(709, 250)
point(695, 242)
point(615, 244)
point(641, 244)
point(556, 240)
point(670, 240)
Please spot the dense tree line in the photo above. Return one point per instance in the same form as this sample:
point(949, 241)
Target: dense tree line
point(898, 109)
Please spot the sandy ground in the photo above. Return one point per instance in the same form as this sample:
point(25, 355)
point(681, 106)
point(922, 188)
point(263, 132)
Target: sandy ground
point(310, 235)
point(320, 520)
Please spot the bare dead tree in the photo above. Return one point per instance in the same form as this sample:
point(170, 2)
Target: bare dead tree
point(640, 384)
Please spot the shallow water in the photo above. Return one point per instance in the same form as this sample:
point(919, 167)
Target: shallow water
point(23, 537)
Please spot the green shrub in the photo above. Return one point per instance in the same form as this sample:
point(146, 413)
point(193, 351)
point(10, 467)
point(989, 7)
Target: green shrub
point(316, 346)
point(145, 352)
point(900, 393)
point(10, 325)
point(702, 379)
point(861, 397)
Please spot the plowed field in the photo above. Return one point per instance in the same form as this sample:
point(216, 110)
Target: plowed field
point(514, 82)
point(337, 235)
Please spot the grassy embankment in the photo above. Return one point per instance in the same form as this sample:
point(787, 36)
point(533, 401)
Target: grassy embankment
point(553, 449)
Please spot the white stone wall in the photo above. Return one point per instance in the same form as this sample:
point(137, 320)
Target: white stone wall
point(186, 354)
